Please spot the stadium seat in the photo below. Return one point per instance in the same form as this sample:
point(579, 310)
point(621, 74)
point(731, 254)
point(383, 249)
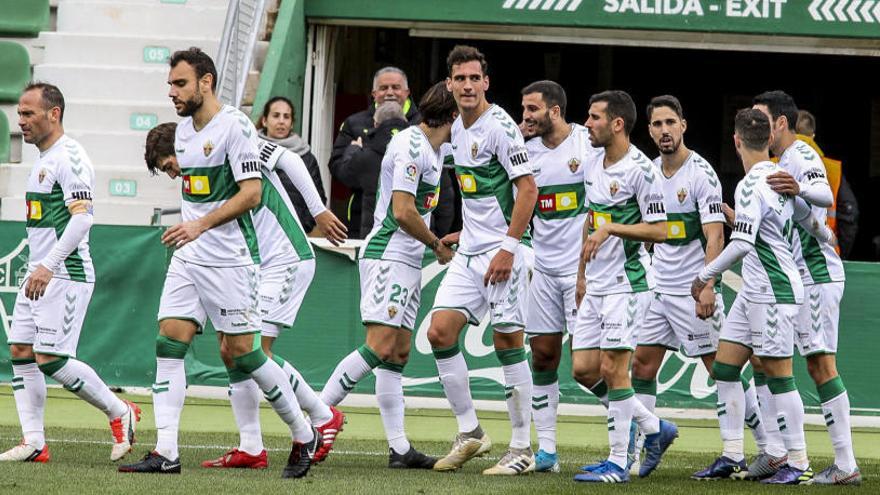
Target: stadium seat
point(15, 70)
point(4, 138)
point(23, 17)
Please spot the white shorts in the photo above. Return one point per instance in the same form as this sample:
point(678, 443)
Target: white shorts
point(767, 328)
point(282, 289)
point(52, 323)
point(672, 322)
point(390, 293)
point(462, 290)
point(229, 296)
point(552, 307)
point(610, 322)
point(818, 319)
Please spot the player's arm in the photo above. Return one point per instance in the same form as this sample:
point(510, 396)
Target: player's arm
point(403, 205)
point(581, 287)
point(813, 187)
point(712, 217)
point(653, 226)
point(803, 215)
point(293, 166)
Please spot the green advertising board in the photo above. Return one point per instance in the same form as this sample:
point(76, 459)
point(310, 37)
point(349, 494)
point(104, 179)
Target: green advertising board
point(118, 337)
point(822, 18)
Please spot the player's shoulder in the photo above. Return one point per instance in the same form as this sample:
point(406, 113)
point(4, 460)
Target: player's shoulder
point(498, 122)
point(271, 153)
point(640, 164)
point(702, 169)
point(68, 153)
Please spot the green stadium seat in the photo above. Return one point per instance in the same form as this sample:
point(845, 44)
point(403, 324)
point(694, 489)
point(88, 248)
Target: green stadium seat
point(15, 70)
point(23, 17)
point(4, 138)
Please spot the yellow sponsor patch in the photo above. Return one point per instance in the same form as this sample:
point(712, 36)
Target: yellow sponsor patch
point(675, 230)
point(566, 201)
point(34, 210)
point(468, 183)
point(197, 185)
point(600, 219)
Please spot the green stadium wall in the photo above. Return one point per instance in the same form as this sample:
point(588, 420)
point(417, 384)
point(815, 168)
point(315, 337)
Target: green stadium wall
point(118, 337)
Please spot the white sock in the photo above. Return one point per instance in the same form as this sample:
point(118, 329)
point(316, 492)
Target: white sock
point(647, 421)
point(389, 394)
point(277, 389)
point(348, 372)
point(775, 444)
point(835, 408)
point(29, 389)
point(518, 395)
point(647, 400)
point(169, 391)
point(753, 418)
point(620, 415)
point(79, 378)
point(545, 403)
point(731, 415)
point(245, 399)
point(454, 377)
point(790, 409)
point(318, 411)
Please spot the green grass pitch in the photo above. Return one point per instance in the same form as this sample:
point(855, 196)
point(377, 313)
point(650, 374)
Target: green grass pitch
point(79, 442)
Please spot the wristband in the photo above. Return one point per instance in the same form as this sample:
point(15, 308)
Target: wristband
point(509, 244)
point(434, 244)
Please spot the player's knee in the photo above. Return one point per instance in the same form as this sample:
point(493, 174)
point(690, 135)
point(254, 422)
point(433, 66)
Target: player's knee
point(21, 351)
point(385, 353)
point(544, 360)
point(821, 369)
point(439, 338)
point(643, 369)
point(584, 375)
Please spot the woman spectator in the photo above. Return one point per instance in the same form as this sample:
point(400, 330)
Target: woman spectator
point(276, 125)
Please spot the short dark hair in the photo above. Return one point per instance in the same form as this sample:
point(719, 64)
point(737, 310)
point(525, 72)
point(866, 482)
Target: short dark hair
point(668, 101)
point(753, 128)
point(268, 106)
point(437, 106)
point(463, 53)
point(50, 95)
point(780, 104)
point(619, 104)
point(551, 92)
point(200, 62)
point(160, 144)
point(806, 123)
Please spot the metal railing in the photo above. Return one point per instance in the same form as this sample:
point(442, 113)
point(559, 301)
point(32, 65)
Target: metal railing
point(236, 52)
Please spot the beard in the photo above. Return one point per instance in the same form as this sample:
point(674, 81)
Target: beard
point(191, 106)
point(543, 126)
point(669, 150)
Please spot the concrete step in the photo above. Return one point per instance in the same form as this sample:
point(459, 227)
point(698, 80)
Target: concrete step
point(197, 19)
point(117, 115)
point(118, 183)
point(107, 211)
point(141, 84)
point(118, 148)
point(119, 50)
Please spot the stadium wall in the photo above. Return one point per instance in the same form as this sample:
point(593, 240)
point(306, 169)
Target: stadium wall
point(118, 338)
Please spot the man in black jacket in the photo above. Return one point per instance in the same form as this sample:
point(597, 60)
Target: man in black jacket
point(389, 84)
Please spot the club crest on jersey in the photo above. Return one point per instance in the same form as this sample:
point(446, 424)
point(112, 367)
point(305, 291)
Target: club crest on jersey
point(42, 175)
point(614, 187)
point(682, 194)
point(207, 148)
point(392, 311)
point(574, 164)
point(474, 150)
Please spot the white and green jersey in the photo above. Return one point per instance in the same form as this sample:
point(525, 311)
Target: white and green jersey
point(627, 192)
point(212, 162)
point(280, 234)
point(410, 165)
point(61, 175)
point(488, 156)
point(764, 219)
point(818, 262)
point(693, 199)
point(561, 208)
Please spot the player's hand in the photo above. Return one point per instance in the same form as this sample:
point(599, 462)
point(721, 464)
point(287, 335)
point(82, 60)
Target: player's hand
point(443, 253)
point(593, 243)
point(706, 303)
point(182, 233)
point(783, 183)
point(37, 283)
point(450, 240)
point(333, 228)
point(729, 214)
point(580, 290)
point(697, 287)
point(499, 268)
